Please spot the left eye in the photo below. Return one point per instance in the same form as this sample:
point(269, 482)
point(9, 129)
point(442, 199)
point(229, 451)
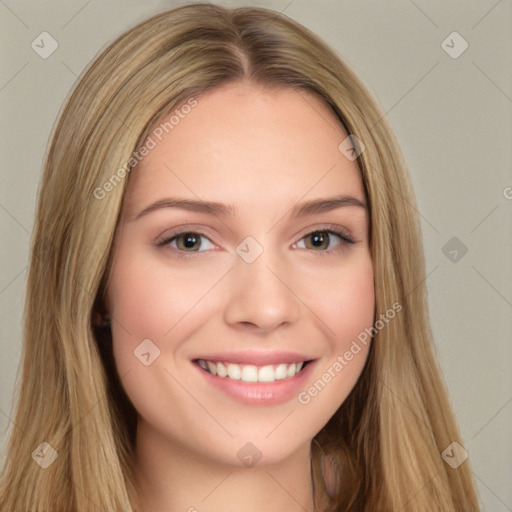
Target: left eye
point(189, 242)
point(322, 240)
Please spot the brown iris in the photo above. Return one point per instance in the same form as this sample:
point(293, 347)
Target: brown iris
point(319, 240)
point(189, 241)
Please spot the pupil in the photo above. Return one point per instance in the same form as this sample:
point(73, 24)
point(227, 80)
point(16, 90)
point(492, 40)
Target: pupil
point(318, 239)
point(190, 241)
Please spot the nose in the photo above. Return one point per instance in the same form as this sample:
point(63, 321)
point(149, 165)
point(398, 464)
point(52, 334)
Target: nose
point(261, 295)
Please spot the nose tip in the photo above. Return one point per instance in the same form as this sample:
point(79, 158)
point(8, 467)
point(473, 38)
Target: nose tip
point(259, 296)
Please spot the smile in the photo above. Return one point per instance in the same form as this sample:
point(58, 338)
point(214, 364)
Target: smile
point(250, 372)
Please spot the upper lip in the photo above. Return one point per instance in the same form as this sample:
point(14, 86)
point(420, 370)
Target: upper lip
point(256, 358)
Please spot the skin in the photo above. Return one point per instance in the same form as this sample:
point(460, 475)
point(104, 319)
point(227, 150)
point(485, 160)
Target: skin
point(262, 151)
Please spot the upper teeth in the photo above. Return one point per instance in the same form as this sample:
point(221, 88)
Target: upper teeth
point(250, 372)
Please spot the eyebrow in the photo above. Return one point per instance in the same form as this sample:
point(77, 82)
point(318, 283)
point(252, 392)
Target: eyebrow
point(214, 208)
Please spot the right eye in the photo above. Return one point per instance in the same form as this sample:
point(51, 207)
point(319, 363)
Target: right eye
point(188, 241)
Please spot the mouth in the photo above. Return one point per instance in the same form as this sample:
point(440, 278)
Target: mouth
point(251, 373)
point(256, 378)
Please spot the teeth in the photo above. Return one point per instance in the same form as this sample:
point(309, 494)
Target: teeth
point(212, 367)
point(281, 372)
point(234, 371)
point(252, 373)
point(221, 370)
point(249, 373)
point(266, 374)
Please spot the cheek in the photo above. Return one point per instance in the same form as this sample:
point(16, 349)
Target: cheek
point(154, 309)
point(355, 307)
point(346, 306)
point(149, 300)
point(343, 300)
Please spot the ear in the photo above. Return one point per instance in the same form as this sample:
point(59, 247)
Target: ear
point(100, 312)
point(100, 318)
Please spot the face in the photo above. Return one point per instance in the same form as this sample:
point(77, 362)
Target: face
point(242, 276)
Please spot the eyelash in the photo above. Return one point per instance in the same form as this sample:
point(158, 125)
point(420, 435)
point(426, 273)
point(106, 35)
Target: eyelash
point(344, 239)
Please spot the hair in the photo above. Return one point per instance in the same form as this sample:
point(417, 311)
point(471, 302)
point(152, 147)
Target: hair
point(388, 435)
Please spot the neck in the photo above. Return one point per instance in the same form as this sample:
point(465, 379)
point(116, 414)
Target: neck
point(171, 477)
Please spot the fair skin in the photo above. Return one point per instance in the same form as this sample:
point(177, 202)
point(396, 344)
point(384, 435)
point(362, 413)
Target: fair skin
point(306, 297)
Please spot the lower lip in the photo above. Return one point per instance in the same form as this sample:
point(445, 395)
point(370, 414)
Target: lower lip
point(259, 393)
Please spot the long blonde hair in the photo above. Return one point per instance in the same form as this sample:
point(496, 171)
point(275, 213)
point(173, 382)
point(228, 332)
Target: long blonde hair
point(388, 435)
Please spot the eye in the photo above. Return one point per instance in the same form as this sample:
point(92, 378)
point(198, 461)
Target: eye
point(324, 240)
point(188, 241)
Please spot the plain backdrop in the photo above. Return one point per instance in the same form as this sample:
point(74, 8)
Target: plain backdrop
point(451, 110)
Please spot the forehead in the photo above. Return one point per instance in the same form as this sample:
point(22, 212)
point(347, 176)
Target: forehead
point(243, 142)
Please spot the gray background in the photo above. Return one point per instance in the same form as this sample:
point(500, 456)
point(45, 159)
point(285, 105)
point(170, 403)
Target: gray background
point(453, 118)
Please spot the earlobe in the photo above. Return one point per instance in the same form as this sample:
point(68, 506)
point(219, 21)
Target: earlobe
point(331, 474)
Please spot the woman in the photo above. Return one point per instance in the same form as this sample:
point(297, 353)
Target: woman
point(226, 302)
